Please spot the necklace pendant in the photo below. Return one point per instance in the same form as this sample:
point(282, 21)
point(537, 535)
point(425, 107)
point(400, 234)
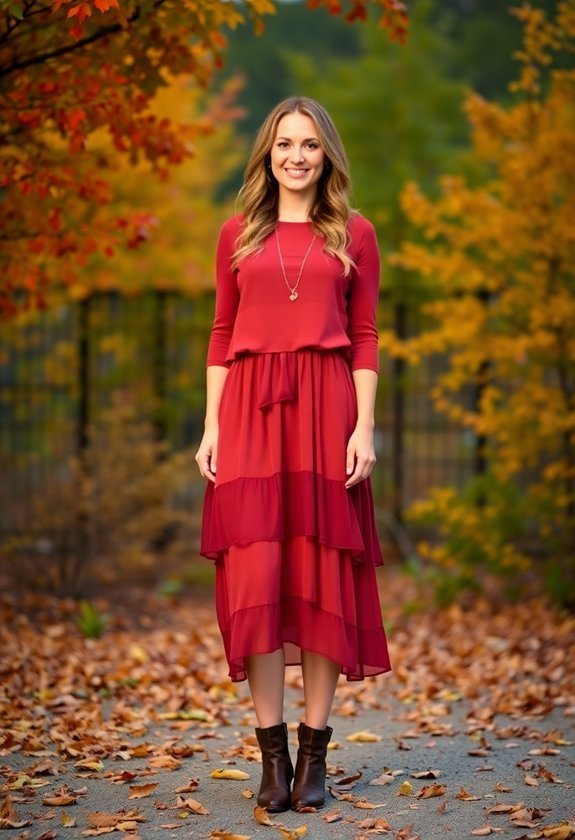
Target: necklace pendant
point(294, 296)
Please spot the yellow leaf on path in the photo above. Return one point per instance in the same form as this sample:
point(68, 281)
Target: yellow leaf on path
point(405, 789)
point(364, 736)
point(229, 773)
point(293, 833)
point(23, 780)
point(138, 654)
point(218, 834)
point(139, 791)
point(562, 831)
point(67, 821)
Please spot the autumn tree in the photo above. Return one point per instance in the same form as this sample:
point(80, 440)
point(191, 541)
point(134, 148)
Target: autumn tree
point(499, 260)
point(70, 69)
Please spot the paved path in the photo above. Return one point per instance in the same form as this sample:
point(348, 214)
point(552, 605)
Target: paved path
point(412, 740)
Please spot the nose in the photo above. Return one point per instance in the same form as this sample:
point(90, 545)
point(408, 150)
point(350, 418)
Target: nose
point(297, 156)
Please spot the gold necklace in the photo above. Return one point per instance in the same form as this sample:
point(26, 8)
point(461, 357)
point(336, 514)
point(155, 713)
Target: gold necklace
point(293, 289)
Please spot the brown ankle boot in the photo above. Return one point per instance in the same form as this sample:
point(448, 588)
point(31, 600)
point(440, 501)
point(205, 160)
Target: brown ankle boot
point(309, 784)
point(277, 772)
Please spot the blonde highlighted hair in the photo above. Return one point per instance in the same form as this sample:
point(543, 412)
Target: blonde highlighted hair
point(259, 194)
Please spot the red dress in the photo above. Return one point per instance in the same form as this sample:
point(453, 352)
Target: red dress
point(295, 551)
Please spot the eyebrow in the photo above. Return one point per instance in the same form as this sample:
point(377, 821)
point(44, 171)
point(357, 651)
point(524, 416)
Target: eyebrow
point(307, 139)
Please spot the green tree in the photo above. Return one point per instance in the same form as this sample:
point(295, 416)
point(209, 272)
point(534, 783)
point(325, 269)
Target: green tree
point(399, 115)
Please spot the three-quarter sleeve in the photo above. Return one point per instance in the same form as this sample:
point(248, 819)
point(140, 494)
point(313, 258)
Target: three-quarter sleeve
point(362, 303)
point(227, 300)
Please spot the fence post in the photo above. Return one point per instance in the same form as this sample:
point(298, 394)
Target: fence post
point(82, 548)
point(398, 414)
point(160, 352)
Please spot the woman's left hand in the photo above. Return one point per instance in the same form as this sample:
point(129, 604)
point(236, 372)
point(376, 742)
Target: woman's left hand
point(360, 456)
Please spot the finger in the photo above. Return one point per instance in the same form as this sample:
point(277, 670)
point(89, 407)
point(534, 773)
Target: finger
point(349, 461)
point(214, 460)
point(355, 477)
point(204, 465)
point(362, 470)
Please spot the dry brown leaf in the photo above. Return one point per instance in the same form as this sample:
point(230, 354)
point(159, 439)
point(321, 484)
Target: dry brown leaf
point(531, 780)
point(428, 791)
point(464, 796)
point(61, 797)
point(365, 805)
point(426, 774)
point(140, 791)
point(500, 809)
point(190, 786)
point(229, 773)
point(164, 762)
point(546, 774)
point(262, 816)
point(406, 834)
point(90, 764)
point(364, 736)
point(332, 816)
point(8, 816)
point(103, 819)
point(544, 751)
point(247, 793)
point(193, 805)
point(384, 779)
point(341, 795)
point(375, 825)
point(501, 787)
point(348, 782)
point(484, 830)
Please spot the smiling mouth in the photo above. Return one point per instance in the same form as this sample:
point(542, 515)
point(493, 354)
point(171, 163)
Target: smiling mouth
point(292, 171)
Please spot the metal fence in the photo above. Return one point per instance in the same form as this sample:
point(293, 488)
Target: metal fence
point(60, 369)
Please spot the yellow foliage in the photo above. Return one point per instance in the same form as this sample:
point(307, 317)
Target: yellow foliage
point(501, 264)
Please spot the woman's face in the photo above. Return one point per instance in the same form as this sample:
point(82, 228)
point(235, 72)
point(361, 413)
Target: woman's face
point(297, 158)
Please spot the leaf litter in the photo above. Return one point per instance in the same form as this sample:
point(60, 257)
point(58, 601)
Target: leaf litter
point(77, 707)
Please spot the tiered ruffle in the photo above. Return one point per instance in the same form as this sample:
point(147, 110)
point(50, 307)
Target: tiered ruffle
point(295, 551)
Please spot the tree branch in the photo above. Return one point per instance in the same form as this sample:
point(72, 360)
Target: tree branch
point(77, 45)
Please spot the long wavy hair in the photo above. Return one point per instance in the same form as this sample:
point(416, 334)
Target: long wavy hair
point(259, 194)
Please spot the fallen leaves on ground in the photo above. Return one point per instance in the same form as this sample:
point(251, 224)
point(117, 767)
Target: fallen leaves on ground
point(153, 691)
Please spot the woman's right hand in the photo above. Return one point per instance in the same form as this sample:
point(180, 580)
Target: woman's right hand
point(207, 454)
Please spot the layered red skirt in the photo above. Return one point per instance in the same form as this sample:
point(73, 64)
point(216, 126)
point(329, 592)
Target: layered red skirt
point(295, 551)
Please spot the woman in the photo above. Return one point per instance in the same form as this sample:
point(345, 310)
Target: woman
point(292, 372)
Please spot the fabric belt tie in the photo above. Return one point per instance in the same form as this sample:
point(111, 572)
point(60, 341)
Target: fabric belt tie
point(278, 378)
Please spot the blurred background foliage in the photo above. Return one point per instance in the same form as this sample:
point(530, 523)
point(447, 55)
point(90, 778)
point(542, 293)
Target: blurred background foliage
point(121, 346)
